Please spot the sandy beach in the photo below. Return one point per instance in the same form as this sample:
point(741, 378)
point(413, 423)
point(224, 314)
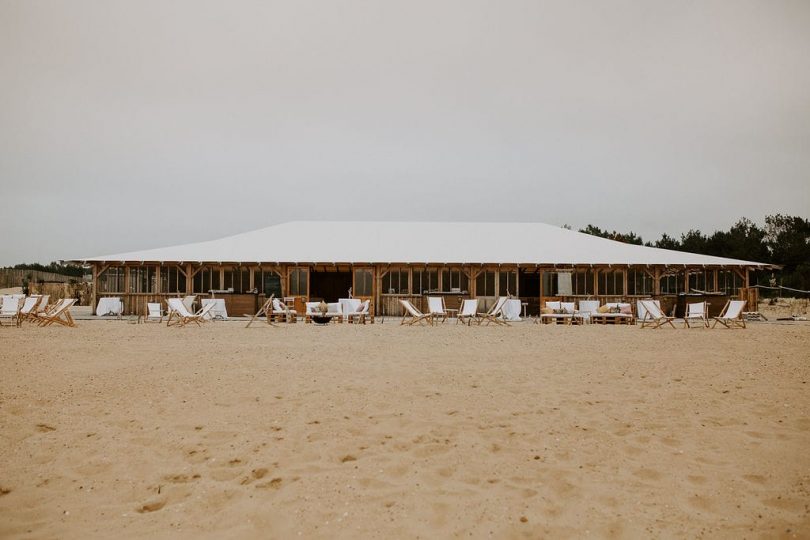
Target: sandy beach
point(382, 431)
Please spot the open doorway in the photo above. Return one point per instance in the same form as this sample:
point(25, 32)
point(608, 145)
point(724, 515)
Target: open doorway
point(329, 286)
point(529, 287)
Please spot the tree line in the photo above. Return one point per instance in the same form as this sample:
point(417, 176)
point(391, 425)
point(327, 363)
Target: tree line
point(782, 240)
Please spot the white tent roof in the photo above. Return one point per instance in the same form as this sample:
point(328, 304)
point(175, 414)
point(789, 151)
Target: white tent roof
point(399, 242)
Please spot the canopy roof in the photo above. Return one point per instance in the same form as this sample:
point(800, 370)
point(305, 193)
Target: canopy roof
point(400, 242)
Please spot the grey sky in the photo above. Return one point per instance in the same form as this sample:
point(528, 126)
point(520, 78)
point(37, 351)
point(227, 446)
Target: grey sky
point(129, 125)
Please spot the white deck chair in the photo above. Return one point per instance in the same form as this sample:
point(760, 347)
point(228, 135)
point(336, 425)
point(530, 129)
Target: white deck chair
point(10, 311)
point(437, 308)
point(182, 316)
point(311, 308)
point(43, 306)
point(335, 310)
point(154, 312)
point(413, 315)
point(60, 314)
point(654, 317)
point(468, 312)
point(495, 314)
point(732, 315)
point(361, 314)
point(696, 312)
point(188, 301)
point(29, 308)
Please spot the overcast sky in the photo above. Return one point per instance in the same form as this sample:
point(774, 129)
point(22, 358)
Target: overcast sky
point(130, 125)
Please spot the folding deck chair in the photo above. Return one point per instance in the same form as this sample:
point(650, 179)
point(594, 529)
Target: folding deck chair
point(468, 312)
point(495, 314)
point(10, 311)
point(413, 315)
point(654, 317)
point(60, 314)
point(154, 312)
point(437, 308)
point(732, 315)
point(696, 312)
point(182, 316)
point(266, 310)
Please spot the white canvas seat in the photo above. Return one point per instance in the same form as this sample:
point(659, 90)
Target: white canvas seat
point(188, 301)
point(43, 306)
point(182, 316)
point(29, 308)
point(335, 310)
point(437, 308)
point(654, 316)
point(565, 312)
point(732, 315)
point(310, 309)
point(468, 312)
point(413, 316)
point(154, 312)
point(359, 315)
point(696, 312)
point(10, 311)
point(60, 314)
point(495, 314)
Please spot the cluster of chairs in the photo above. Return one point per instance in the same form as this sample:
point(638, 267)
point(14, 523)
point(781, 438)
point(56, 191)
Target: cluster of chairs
point(649, 313)
point(16, 309)
point(275, 310)
point(467, 314)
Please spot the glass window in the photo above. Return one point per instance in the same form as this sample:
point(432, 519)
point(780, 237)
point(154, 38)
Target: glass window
point(268, 282)
point(205, 280)
point(395, 282)
point(172, 280)
point(363, 282)
point(729, 282)
point(611, 282)
point(485, 284)
point(142, 279)
point(639, 283)
point(672, 284)
point(425, 281)
point(111, 279)
point(550, 284)
point(507, 283)
point(454, 279)
point(298, 282)
point(582, 282)
point(701, 281)
point(237, 279)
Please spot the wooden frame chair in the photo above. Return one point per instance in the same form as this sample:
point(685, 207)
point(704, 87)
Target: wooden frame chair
point(60, 314)
point(437, 308)
point(566, 318)
point(10, 311)
point(495, 314)
point(28, 311)
point(266, 310)
point(732, 315)
point(413, 315)
point(654, 317)
point(182, 316)
point(696, 312)
point(360, 316)
point(280, 309)
point(154, 312)
point(468, 311)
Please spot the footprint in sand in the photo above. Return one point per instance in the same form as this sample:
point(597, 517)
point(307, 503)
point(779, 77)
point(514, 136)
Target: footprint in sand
point(153, 506)
point(4, 491)
point(44, 428)
point(754, 478)
point(180, 478)
point(275, 483)
point(347, 458)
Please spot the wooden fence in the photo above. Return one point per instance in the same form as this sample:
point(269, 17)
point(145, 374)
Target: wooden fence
point(14, 278)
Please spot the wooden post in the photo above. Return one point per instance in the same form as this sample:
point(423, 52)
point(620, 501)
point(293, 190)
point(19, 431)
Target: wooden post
point(94, 291)
point(657, 281)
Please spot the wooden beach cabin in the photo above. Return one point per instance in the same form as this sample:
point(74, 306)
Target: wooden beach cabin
point(387, 261)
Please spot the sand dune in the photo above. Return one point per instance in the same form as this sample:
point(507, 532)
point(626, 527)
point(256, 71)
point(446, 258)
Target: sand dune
point(383, 431)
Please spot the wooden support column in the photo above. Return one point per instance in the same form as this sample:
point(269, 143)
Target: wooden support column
point(94, 291)
point(657, 281)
